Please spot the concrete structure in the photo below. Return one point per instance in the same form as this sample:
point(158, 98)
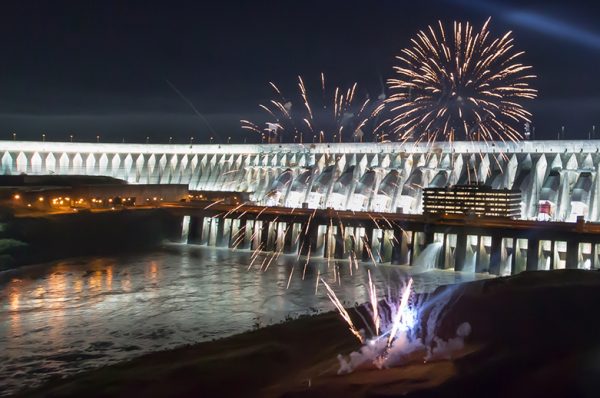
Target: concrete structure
point(498, 246)
point(558, 179)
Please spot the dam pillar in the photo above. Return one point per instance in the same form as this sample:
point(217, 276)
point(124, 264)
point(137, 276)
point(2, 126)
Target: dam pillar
point(264, 235)
point(399, 248)
point(572, 254)
point(460, 253)
point(220, 225)
point(340, 244)
point(349, 242)
point(513, 257)
point(533, 248)
point(377, 244)
point(495, 255)
point(367, 242)
point(288, 238)
point(248, 234)
point(195, 230)
point(310, 242)
point(429, 236)
point(387, 246)
point(238, 233)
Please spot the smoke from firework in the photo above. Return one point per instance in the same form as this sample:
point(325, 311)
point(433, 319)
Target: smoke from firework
point(462, 86)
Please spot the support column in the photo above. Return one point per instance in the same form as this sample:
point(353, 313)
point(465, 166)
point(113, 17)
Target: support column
point(413, 246)
point(460, 253)
point(572, 254)
point(397, 247)
point(495, 255)
point(195, 230)
point(340, 244)
point(288, 239)
point(552, 244)
point(367, 242)
point(533, 249)
point(220, 231)
point(238, 237)
point(264, 235)
point(513, 259)
point(308, 238)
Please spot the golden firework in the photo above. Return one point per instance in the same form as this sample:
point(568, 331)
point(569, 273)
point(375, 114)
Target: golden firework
point(467, 85)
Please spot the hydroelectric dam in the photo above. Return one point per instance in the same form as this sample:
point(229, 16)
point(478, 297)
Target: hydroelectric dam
point(557, 180)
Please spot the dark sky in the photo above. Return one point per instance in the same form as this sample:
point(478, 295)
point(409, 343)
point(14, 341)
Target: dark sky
point(101, 67)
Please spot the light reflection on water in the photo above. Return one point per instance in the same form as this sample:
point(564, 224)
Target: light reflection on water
point(67, 316)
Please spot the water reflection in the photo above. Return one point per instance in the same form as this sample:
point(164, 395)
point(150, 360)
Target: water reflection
point(69, 316)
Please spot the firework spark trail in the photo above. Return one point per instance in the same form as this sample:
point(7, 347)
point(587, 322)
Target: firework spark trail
point(317, 282)
point(238, 237)
point(306, 263)
point(235, 209)
point(464, 83)
point(290, 278)
point(374, 303)
point(340, 111)
point(214, 203)
point(336, 302)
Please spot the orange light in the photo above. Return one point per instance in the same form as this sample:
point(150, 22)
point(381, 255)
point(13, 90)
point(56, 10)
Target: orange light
point(17, 196)
point(41, 198)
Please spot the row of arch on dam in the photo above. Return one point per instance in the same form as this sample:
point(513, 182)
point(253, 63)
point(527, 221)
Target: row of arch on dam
point(556, 184)
point(426, 246)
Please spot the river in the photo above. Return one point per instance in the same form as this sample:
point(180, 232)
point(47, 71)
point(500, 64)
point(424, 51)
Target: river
point(68, 316)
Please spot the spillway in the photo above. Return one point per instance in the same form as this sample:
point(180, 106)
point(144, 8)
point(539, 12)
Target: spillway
point(557, 178)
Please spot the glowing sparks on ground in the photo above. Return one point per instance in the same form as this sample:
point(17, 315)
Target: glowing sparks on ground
point(466, 85)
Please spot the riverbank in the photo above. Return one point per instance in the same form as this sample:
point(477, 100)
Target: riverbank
point(47, 237)
point(534, 334)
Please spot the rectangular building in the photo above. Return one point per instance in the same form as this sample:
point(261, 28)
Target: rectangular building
point(481, 200)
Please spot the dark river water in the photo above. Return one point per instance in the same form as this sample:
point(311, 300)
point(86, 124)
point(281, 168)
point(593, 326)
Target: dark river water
point(68, 316)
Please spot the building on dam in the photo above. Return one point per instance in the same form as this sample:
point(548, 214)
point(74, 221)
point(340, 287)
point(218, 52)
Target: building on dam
point(472, 199)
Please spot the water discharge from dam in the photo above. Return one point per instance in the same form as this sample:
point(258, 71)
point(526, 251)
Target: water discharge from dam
point(61, 318)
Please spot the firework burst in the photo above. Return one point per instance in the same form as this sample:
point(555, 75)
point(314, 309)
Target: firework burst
point(465, 86)
point(331, 116)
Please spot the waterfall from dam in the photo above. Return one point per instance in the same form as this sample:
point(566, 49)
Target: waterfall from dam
point(429, 257)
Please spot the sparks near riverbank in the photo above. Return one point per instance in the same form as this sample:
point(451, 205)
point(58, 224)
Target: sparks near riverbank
point(393, 334)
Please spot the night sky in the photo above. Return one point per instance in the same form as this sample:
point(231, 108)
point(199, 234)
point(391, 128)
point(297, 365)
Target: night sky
point(101, 68)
